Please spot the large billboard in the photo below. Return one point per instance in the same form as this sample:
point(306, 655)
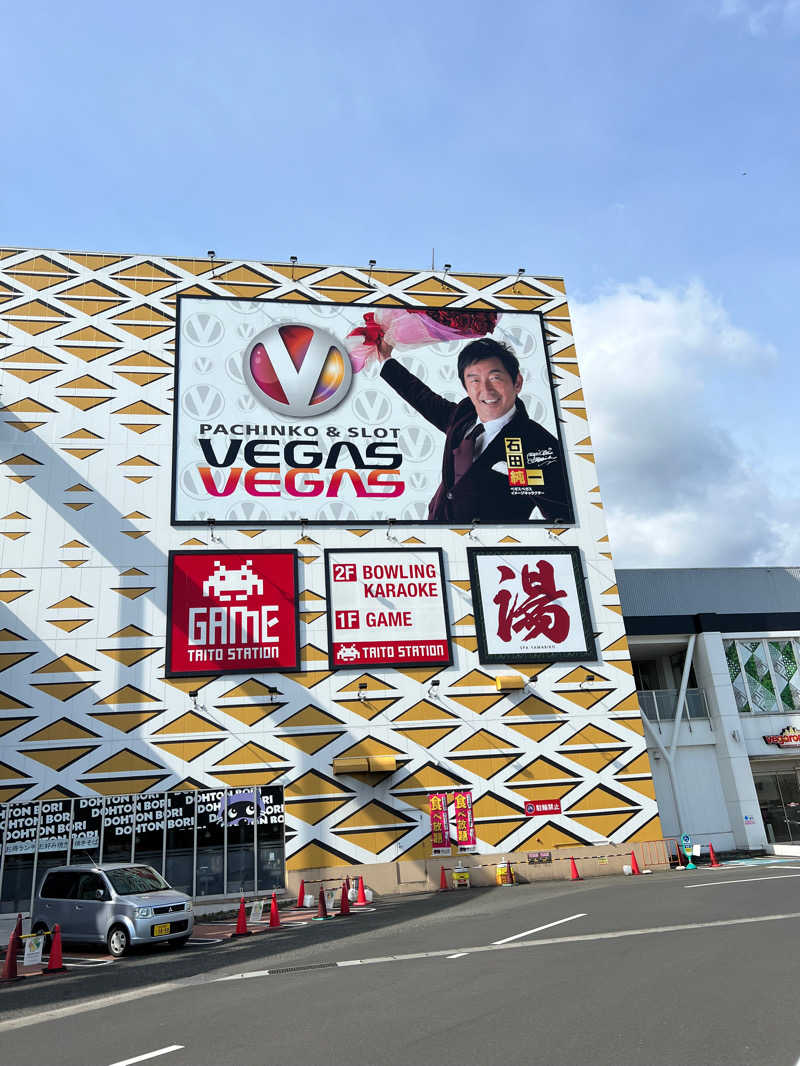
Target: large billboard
point(386, 607)
point(288, 412)
point(232, 612)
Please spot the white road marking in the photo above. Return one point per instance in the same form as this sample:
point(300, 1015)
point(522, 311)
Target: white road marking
point(458, 955)
point(740, 881)
point(101, 1002)
point(149, 1055)
point(538, 929)
point(546, 942)
point(781, 866)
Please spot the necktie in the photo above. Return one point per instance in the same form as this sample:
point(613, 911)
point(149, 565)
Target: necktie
point(464, 454)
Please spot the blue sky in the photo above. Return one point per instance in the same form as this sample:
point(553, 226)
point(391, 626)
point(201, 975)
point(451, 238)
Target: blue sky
point(647, 152)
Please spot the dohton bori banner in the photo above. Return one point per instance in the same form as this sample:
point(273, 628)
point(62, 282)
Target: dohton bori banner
point(530, 605)
point(386, 607)
point(290, 411)
point(232, 612)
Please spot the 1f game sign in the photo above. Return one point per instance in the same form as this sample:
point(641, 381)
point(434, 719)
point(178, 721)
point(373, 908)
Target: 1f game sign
point(530, 605)
point(232, 612)
point(386, 607)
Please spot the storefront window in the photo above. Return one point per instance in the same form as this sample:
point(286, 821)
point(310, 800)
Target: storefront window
point(54, 830)
point(87, 824)
point(180, 841)
point(22, 827)
point(209, 842)
point(269, 834)
point(118, 828)
point(210, 845)
point(148, 847)
point(239, 812)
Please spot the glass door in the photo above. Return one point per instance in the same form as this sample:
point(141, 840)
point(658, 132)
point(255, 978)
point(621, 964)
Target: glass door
point(771, 804)
point(790, 794)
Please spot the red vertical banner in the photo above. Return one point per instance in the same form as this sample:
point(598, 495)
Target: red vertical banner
point(440, 823)
point(465, 822)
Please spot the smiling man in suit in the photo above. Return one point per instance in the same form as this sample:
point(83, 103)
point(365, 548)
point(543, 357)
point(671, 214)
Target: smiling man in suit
point(498, 464)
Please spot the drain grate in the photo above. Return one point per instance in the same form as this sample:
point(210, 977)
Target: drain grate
point(299, 969)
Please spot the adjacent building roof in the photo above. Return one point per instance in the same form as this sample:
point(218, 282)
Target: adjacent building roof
point(730, 599)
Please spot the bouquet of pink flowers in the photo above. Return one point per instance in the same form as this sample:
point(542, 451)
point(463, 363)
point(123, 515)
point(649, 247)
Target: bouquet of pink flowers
point(407, 327)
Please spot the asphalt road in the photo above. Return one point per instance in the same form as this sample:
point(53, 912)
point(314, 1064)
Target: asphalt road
point(695, 968)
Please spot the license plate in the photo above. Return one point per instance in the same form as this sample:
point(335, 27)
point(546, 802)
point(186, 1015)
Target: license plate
point(161, 930)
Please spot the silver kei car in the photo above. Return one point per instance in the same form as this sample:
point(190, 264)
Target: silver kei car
point(116, 904)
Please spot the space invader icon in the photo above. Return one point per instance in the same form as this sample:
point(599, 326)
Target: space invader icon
point(236, 585)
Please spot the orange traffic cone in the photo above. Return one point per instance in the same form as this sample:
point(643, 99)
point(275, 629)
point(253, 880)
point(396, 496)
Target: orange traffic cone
point(241, 921)
point(361, 899)
point(712, 856)
point(634, 864)
point(10, 965)
point(55, 964)
point(573, 871)
point(274, 917)
point(301, 895)
point(322, 909)
point(443, 885)
point(344, 906)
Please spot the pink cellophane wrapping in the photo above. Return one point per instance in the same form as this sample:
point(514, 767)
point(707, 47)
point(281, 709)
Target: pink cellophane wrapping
point(406, 329)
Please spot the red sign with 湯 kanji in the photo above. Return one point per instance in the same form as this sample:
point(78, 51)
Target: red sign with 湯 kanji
point(530, 605)
point(232, 612)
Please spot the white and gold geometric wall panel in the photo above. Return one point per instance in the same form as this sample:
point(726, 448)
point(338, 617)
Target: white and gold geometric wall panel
point(87, 353)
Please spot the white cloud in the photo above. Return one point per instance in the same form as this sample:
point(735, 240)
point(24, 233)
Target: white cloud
point(762, 16)
point(681, 482)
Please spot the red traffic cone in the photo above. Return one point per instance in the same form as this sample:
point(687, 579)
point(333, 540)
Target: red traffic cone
point(10, 965)
point(322, 909)
point(712, 856)
point(55, 964)
point(634, 864)
point(443, 885)
point(509, 873)
point(241, 921)
point(274, 917)
point(573, 871)
point(361, 899)
point(347, 885)
point(344, 906)
point(301, 895)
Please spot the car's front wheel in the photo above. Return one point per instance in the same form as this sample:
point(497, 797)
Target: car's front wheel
point(118, 941)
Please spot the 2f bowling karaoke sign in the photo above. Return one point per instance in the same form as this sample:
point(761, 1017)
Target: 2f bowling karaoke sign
point(530, 605)
point(386, 607)
point(232, 612)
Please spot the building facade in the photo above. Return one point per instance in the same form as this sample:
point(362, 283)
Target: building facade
point(716, 654)
point(93, 721)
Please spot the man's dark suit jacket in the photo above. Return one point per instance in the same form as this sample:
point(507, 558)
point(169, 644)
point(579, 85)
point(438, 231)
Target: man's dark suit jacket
point(482, 492)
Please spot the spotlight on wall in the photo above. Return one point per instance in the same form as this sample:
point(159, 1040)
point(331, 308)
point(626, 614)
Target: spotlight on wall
point(588, 680)
point(193, 697)
point(475, 523)
point(212, 255)
point(390, 530)
point(433, 689)
point(293, 261)
point(447, 269)
point(735, 735)
point(362, 690)
point(372, 264)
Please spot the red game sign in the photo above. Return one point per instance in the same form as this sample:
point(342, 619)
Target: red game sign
point(232, 612)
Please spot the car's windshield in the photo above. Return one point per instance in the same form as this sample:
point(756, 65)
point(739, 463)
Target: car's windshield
point(132, 880)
